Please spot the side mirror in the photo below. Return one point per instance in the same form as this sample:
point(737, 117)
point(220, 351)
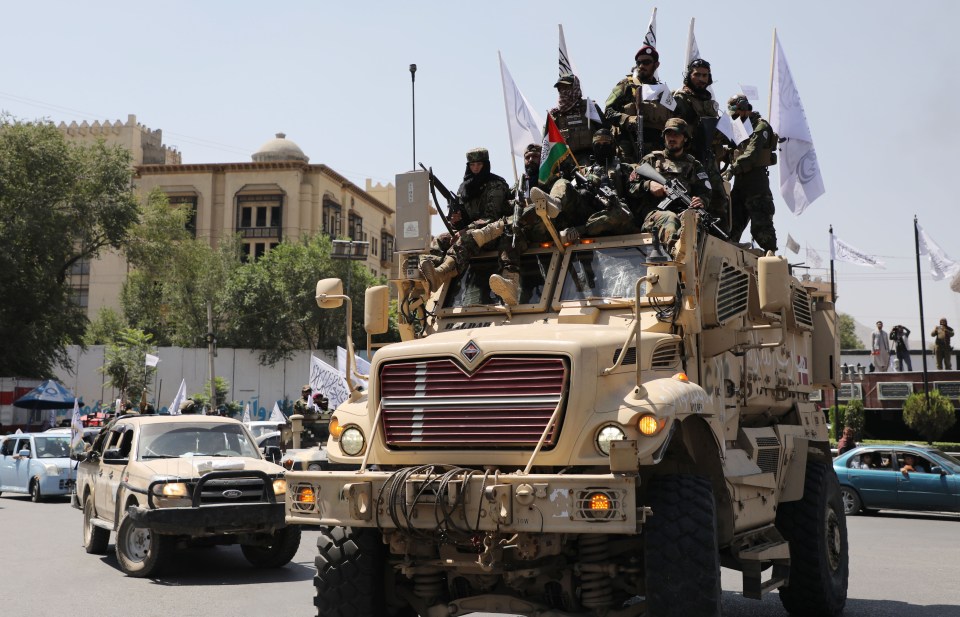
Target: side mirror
point(329, 287)
point(938, 469)
point(272, 453)
point(24, 453)
point(113, 455)
point(666, 283)
point(376, 309)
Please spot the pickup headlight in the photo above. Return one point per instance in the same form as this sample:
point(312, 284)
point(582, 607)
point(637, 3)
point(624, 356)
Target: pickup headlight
point(351, 441)
point(279, 486)
point(51, 470)
point(172, 490)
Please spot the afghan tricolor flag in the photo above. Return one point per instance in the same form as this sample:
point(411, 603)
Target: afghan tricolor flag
point(554, 150)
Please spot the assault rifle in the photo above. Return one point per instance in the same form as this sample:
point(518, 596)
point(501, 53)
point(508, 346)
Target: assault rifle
point(453, 201)
point(602, 193)
point(677, 193)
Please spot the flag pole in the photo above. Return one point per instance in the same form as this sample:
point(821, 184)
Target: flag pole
point(513, 158)
point(773, 59)
point(923, 329)
point(833, 298)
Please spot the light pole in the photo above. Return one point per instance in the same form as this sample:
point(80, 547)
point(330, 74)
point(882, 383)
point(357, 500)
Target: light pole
point(354, 250)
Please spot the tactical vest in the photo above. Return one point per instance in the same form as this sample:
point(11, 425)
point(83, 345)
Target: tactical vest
point(575, 129)
point(654, 114)
point(768, 155)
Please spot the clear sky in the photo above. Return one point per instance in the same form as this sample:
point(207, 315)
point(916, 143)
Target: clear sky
point(220, 78)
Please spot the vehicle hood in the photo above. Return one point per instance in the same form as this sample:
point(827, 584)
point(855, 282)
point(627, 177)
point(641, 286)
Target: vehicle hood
point(196, 466)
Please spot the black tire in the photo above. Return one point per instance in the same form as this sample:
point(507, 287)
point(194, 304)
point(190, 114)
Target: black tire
point(35, 495)
point(851, 501)
point(95, 539)
point(681, 559)
point(140, 552)
point(350, 581)
point(816, 528)
point(284, 546)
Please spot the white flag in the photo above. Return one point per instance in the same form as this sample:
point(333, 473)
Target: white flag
point(276, 415)
point(841, 251)
point(592, 114)
point(800, 179)
point(151, 360)
point(523, 124)
point(941, 266)
point(328, 380)
point(693, 52)
point(179, 398)
point(725, 126)
point(742, 129)
point(751, 92)
point(76, 428)
point(360, 366)
point(650, 38)
point(246, 414)
point(814, 258)
point(792, 245)
point(566, 64)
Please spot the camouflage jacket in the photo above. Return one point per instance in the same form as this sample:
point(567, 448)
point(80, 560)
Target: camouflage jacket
point(621, 105)
point(490, 203)
point(692, 106)
point(686, 169)
point(755, 154)
point(576, 129)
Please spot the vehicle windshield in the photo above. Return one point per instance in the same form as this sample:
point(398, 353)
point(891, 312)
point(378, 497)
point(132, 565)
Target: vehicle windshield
point(263, 429)
point(53, 447)
point(472, 287)
point(171, 440)
point(952, 462)
point(606, 272)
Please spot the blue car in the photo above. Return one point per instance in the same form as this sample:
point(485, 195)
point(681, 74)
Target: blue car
point(37, 464)
point(898, 477)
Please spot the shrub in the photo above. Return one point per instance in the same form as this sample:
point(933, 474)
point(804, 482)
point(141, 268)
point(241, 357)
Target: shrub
point(854, 416)
point(932, 420)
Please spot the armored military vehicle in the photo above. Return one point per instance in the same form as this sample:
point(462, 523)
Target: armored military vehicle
point(640, 419)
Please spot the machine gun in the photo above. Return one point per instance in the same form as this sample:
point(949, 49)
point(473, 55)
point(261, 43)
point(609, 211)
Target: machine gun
point(453, 201)
point(677, 193)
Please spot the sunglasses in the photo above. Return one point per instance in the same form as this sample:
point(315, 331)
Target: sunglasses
point(644, 62)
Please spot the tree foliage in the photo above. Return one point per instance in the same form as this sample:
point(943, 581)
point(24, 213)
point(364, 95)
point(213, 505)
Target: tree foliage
point(848, 333)
point(60, 203)
point(854, 416)
point(124, 363)
point(932, 420)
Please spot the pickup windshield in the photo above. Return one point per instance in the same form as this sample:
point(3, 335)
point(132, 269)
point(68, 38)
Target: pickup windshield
point(605, 273)
point(201, 439)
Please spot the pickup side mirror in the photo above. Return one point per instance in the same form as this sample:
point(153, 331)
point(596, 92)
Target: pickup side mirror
point(272, 453)
point(113, 455)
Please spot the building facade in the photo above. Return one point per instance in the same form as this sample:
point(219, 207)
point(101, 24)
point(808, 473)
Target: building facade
point(276, 196)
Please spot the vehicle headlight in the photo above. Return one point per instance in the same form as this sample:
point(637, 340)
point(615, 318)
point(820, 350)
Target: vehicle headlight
point(279, 486)
point(51, 470)
point(351, 441)
point(172, 490)
point(649, 424)
point(334, 427)
point(607, 434)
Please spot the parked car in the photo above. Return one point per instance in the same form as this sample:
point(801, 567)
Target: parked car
point(36, 463)
point(875, 477)
point(162, 481)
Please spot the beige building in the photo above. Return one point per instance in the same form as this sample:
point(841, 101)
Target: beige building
point(277, 196)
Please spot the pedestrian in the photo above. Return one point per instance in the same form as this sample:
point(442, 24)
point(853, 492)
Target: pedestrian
point(899, 335)
point(941, 344)
point(751, 200)
point(880, 347)
point(847, 441)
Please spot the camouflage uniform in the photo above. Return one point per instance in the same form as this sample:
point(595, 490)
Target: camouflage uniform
point(572, 120)
point(621, 106)
point(751, 197)
point(684, 168)
point(694, 105)
point(490, 201)
point(302, 404)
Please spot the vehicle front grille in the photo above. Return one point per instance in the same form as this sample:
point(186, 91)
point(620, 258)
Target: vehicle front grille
point(506, 403)
point(226, 491)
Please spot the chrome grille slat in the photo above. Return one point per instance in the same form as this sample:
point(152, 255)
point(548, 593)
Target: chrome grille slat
point(505, 403)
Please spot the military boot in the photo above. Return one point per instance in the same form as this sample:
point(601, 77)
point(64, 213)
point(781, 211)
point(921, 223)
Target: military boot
point(482, 236)
point(438, 275)
point(507, 286)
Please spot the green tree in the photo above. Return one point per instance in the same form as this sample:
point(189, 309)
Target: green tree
point(105, 328)
point(124, 363)
point(932, 420)
point(848, 333)
point(854, 416)
point(60, 203)
point(221, 388)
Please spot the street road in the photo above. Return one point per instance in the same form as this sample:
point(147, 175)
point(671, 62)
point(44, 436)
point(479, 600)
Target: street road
point(900, 565)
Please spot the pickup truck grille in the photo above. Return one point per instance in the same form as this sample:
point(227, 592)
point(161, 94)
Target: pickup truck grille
point(505, 404)
point(230, 490)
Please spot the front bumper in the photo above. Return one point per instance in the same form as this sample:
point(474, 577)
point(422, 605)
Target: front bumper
point(465, 500)
point(57, 485)
point(211, 520)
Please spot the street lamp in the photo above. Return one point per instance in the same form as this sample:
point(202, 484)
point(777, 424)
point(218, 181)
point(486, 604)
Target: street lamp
point(354, 250)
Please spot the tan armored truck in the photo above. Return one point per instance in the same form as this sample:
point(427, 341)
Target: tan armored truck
point(639, 419)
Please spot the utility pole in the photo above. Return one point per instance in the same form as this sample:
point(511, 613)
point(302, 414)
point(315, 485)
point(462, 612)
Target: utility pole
point(211, 352)
point(413, 111)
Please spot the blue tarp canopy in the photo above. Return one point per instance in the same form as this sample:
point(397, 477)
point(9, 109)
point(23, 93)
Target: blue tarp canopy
point(51, 394)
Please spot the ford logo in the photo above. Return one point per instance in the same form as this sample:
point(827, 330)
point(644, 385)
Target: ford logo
point(232, 493)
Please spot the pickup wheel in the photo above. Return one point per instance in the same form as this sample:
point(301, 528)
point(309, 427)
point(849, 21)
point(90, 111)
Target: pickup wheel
point(140, 551)
point(681, 558)
point(95, 539)
point(351, 575)
point(35, 495)
point(816, 528)
point(284, 546)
